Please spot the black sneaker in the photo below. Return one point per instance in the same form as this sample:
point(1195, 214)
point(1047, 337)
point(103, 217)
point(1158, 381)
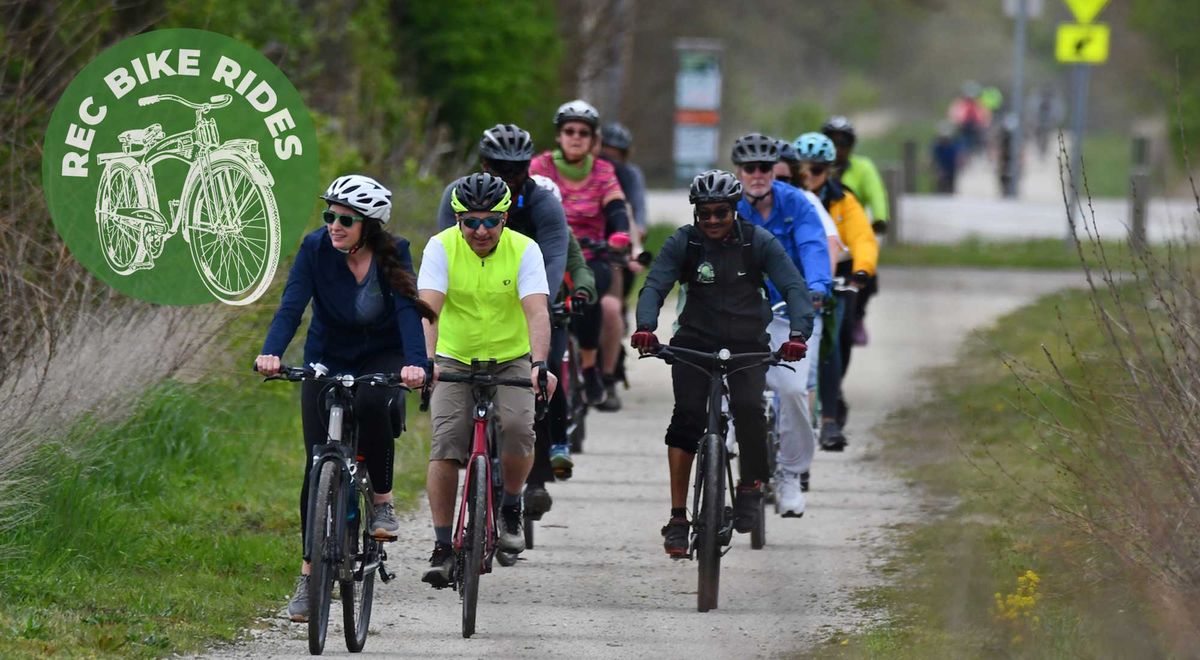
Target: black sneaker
point(593, 387)
point(612, 402)
point(441, 566)
point(537, 502)
point(747, 508)
point(804, 481)
point(675, 537)
point(512, 534)
point(831, 437)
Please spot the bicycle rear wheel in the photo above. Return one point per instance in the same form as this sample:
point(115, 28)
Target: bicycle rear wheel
point(474, 539)
point(321, 525)
point(710, 518)
point(358, 593)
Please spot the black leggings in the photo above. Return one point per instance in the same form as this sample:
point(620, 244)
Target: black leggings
point(587, 326)
point(745, 402)
point(552, 428)
point(376, 437)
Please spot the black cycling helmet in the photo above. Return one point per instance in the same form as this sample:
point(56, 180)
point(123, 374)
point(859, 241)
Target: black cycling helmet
point(755, 148)
point(787, 153)
point(577, 110)
point(715, 186)
point(480, 192)
point(839, 124)
point(506, 142)
point(617, 136)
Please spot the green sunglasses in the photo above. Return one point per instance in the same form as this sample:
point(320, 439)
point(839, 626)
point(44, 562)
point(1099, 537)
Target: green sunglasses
point(347, 220)
point(489, 222)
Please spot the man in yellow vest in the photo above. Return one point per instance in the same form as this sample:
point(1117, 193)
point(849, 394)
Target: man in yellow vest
point(488, 287)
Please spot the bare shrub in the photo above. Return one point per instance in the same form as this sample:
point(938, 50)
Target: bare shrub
point(1128, 444)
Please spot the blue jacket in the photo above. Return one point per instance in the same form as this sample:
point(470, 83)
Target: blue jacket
point(796, 224)
point(335, 338)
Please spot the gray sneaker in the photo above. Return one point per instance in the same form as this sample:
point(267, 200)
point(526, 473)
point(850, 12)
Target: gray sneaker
point(298, 605)
point(385, 524)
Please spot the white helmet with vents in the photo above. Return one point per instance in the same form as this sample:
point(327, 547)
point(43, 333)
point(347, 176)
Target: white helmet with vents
point(361, 193)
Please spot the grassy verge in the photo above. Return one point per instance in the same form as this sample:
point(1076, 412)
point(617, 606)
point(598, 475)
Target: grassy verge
point(1050, 254)
point(168, 532)
point(992, 571)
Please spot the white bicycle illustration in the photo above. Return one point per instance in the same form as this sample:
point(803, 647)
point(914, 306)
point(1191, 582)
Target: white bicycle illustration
point(226, 210)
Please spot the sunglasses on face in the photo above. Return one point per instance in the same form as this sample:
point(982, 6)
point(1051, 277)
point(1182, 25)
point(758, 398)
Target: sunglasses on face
point(815, 170)
point(489, 222)
point(577, 132)
point(346, 220)
point(721, 214)
point(786, 178)
point(760, 168)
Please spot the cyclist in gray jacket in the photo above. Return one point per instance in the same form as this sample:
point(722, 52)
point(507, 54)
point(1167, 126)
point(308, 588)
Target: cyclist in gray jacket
point(721, 261)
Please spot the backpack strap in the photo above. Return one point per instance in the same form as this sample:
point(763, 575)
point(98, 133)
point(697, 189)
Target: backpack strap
point(749, 255)
point(693, 255)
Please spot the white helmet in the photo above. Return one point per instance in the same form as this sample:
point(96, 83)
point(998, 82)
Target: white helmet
point(361, 193)
point(577, 110)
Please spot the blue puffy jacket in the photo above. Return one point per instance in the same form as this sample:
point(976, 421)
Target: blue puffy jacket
point(796, 224)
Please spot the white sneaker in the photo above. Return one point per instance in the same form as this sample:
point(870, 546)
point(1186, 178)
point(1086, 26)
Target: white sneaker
point(789, 496)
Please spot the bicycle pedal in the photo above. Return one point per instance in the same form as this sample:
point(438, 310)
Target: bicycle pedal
point(384, 574)
point(563, 474)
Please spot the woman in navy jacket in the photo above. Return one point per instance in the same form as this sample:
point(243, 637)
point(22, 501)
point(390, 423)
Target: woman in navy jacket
point(366, 318)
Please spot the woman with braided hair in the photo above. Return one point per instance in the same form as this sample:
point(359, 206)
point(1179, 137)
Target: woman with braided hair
point(366, 318)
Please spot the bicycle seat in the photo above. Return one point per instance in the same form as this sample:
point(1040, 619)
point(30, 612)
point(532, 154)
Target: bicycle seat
point(141, 137)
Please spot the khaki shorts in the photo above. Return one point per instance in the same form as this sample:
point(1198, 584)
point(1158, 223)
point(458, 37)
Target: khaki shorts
point(452, 405)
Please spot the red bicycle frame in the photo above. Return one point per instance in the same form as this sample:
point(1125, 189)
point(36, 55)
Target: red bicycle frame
point(479, 447)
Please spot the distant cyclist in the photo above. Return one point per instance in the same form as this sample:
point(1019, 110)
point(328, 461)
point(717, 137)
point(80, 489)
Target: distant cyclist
point(366, 318)
point(489, 288)
point(792, 218)
point(596, 210)
point(505, 151)
point(615, 143)
point(817, 156)
point(859, 174)
point(722, 261)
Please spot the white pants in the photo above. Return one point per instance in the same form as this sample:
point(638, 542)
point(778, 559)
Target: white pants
point(797, 442)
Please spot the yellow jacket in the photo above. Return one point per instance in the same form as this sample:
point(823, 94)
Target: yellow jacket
point(855, 231)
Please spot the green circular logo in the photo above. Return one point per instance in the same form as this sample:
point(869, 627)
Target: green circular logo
point(176, 166)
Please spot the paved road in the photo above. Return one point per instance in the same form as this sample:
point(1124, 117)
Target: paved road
point(978, 210)
point(598, 584)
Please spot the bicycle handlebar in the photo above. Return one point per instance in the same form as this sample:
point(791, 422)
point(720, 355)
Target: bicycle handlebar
point(490, 380)
point(214, 102)
point(298, 374)
point(671, 354)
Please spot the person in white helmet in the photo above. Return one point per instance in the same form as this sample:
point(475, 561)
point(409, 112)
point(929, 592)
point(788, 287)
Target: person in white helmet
point(366, 318)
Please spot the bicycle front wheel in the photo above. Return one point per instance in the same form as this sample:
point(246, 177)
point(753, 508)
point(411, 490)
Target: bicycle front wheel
point(233, 228)
point(474, 541)
point(358, 592)
point(321, 526)
point(710, 519)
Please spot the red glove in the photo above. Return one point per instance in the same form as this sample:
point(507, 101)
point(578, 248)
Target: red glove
point(793, 350)
point(644, 341)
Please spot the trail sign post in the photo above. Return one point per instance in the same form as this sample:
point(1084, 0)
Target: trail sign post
point(1081, 45)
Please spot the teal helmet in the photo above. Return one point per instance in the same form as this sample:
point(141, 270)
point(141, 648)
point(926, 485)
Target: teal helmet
point(815, 148)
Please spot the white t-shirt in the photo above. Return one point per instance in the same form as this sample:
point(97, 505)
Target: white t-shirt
point(435, 270)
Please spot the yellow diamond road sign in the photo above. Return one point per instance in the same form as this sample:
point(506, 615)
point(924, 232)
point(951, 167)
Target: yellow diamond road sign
point(1086, 10)
point(1082, 44)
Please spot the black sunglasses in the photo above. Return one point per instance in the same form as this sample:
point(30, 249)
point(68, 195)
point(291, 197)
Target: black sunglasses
point(761, 168)
point(489, 222)
point(815, 170)
point(577, 132)
point(721, 214)
point(786, 178)
point(347, 220)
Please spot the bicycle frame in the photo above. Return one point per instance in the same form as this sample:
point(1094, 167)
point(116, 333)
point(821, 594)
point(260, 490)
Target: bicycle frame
point(479, 447)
